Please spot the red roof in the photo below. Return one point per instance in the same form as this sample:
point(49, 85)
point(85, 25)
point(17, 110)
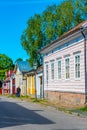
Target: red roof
point(9, 73)
point(7, 79)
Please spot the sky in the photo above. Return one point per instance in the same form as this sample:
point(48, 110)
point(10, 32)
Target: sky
point(14, 15)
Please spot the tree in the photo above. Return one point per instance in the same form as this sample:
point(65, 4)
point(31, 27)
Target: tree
point(52, 23)
point(32, 39)
point(6, 64)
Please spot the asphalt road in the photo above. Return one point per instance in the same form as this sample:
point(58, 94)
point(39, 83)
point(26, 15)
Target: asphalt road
point(22, 115)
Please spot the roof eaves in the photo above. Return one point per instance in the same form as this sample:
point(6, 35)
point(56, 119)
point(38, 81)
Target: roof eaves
point(75, 29)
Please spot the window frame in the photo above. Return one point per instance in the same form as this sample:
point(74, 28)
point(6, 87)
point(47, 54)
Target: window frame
point(60, 69)
point(47, 72)
point(67, 78)
point(77, 66)
point(52, 71)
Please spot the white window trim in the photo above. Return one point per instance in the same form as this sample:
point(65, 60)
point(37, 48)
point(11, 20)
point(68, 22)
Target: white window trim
point(78, 54)
point(65, 67)
point(46, 71)
point(57, 69)
point(51, 71)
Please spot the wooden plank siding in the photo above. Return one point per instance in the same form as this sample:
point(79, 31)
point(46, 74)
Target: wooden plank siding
point(28, 85)
point(86, 67)
point(63, 84)
point(31, 85)
point(0, 90)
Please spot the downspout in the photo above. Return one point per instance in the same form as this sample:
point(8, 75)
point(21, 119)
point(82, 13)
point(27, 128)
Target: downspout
point(43, 77)
point(82, 32)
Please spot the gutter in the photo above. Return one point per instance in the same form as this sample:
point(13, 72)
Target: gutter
point(65, 36)
point(57, 43)
point(82, 28)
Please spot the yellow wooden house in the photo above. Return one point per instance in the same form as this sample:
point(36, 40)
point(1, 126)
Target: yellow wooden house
point(35, 83)
point(31, 83)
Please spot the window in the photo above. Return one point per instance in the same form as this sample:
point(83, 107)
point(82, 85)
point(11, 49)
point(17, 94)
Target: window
point(67, 68)
point(59, 69)
point(46, 72)
point(77, 66)
point(52, 70)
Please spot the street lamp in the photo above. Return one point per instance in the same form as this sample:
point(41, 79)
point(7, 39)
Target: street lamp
point(35, 68)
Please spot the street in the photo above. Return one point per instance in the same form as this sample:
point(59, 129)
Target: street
point(22, 115)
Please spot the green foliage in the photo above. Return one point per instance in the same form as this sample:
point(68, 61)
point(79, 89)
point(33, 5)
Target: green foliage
point(84, 109)
point(51, 24)
point(32, 38)
point(5, 64)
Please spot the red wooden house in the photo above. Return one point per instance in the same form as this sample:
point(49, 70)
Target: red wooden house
point(9, 83)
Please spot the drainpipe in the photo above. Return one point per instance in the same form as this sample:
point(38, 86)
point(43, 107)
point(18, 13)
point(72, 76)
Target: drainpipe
point(83, 34)
point(43, 78)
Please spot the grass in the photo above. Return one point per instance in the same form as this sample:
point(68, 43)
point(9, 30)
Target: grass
point(13, 96)
point(29, 98)
point(84, 109)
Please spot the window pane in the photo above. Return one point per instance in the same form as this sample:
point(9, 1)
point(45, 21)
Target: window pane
point(46, 72)
point(78, 59)
point(67, 68)
point(52, 70)
point(77, 66)
point(59, 69)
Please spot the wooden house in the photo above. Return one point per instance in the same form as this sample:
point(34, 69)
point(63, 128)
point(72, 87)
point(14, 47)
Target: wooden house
point(20, 79)
point(8, 86)
point(65, 67)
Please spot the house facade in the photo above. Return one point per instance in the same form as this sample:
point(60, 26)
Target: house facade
point(20, 79)
point(29, 79)
point(31, 83)
point(39, 82)
point(65, 67)
point(8, 86)
point(12, 84)
point(35, 83)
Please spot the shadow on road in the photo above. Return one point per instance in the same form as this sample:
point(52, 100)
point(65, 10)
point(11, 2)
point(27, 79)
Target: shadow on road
point(66, 129)
point(12, 114)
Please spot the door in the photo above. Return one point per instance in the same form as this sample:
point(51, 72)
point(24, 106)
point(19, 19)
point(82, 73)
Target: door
point(41, 89)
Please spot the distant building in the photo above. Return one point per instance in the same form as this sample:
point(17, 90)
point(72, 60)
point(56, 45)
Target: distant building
point(8, 86)
point(39, 82)
point(21, 68)
point(35, 82)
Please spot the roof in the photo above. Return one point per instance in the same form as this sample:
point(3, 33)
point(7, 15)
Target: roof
point(23, 66)
point(33, 71)
point(75, 29)
point(7, 79)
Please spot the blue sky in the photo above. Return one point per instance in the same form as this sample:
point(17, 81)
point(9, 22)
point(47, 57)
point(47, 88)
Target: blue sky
point(14, 15)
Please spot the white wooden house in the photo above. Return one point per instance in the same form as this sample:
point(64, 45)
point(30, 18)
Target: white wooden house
point(65, 67)
point(39, 82)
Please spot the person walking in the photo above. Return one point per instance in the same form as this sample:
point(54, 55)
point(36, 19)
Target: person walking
point(18, 92)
